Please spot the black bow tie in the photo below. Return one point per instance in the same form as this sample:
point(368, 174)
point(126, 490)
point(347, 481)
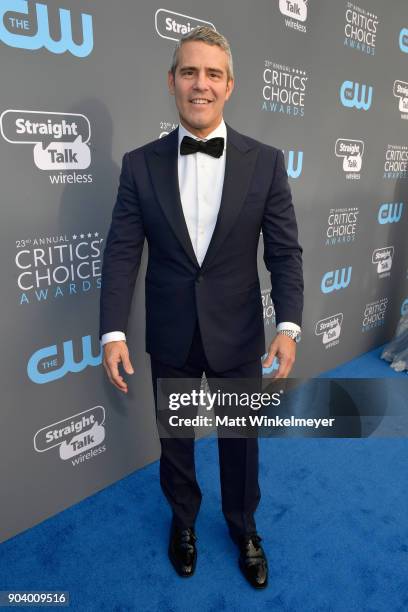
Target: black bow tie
point(213, 147)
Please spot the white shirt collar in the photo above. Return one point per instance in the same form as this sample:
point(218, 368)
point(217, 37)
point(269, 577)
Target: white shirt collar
point(220, 130)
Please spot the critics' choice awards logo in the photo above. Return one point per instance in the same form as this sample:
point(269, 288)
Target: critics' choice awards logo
point(48, 364)
point(374, 314)
point(341, 225)
point(283, 89)
point(334, 280)
point(351, 151)
point(57, 266)
point(268, 308)
point(295, 12)
point(390, 212)
point(173, 25)
point(75, 436)
point(400, 91)
point(382, 259)
point(395, 164)
point(403, 40)
point(356, 95)
point(329, 329)
point(360, 29)
point(166, 127)
point(26, 25)
point(60, 141)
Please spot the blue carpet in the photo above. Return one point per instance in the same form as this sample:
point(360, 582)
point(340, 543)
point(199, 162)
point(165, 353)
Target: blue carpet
point(368, 365)
point(332, 517)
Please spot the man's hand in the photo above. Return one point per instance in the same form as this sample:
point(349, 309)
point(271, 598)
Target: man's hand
point(113, 354)
point(285, 350)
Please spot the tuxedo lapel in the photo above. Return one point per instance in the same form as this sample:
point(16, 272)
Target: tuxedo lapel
point(162, 162)
point(239, 167)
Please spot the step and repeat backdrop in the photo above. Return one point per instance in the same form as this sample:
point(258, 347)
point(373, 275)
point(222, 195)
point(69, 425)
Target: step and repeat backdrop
point(84, 82)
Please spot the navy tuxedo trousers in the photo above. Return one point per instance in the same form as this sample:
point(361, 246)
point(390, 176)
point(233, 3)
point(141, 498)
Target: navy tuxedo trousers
point(238, 457)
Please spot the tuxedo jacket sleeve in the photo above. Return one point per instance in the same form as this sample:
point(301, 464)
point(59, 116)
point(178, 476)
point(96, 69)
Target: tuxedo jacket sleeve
point(124, 244)
point(282, 251)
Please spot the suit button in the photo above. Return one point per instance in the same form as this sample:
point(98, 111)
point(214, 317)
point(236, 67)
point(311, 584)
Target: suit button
point(199, 278)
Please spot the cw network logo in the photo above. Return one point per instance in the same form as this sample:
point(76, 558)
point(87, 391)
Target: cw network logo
point(46, 364)
point(295, 165)
point(390, 212)
point(352, 96)
point(172, 25)
point(334, 280)
point(403, 40)
point(23, 27)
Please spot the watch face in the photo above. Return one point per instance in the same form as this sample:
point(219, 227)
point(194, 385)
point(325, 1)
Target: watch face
point(295, 335)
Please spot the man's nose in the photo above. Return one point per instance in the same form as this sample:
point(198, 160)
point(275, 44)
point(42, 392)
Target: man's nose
point(201, 81)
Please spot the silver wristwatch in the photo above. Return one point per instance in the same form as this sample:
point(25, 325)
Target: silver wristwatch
point(292, 333)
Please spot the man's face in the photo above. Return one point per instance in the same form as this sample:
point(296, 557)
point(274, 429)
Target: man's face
point(200, 86)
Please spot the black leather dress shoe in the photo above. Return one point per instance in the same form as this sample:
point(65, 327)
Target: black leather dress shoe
point(252, 561)
point(183, 551)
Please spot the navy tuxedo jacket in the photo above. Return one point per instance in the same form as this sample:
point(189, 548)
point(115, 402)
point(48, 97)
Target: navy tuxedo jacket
point(223, 294)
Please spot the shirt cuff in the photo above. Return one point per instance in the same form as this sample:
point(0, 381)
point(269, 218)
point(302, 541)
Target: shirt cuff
point(288, 325)
point(112, 337)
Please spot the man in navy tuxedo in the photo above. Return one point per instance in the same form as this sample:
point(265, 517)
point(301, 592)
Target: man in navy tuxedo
point(201, 196)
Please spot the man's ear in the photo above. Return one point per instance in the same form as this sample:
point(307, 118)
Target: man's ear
point(170, 82)
point(230, 88)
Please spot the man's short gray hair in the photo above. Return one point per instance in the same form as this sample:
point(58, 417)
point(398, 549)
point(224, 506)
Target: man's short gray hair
point(207, 35)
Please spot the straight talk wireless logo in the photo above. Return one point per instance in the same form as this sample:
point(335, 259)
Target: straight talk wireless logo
point(329, 330)
point(77, 438)
point(382, 258)
point(400, 91)
point(172, 25)
point(351, 153)
point(295, 12)
point(60, 142)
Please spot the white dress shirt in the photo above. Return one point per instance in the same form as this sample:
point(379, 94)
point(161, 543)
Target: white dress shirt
point(201, 179)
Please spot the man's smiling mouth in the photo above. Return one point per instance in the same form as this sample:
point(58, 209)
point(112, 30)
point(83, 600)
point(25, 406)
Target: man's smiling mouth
point(200, 101)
